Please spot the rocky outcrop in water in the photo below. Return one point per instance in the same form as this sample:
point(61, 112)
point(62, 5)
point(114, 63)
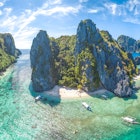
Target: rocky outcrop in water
point(127, 43)
point(42, 63)
point(100, 62)
point(8, 51)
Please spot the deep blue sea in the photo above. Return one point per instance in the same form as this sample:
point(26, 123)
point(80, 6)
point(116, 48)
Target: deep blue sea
point(23, 119)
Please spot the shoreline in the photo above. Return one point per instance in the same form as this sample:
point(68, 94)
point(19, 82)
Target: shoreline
point(69, 93)
point(136, 77)
point(4, 73)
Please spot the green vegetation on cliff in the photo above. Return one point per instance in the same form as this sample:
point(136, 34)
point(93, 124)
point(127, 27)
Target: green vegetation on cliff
point(73, 74)
point(5, 58)
point(86, 67)
point(65, 60)
point(128, 64)
point(69, 73)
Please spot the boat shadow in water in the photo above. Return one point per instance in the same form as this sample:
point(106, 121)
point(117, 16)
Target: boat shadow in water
point(44, 97)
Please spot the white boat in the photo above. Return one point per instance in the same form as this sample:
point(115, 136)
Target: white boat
point(38, 98)
point(104, 97)
point(86, 106)
point(130, 120)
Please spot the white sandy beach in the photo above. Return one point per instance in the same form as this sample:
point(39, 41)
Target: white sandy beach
point(67, 93)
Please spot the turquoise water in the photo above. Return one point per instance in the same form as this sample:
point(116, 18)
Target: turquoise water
point(23, 119)
point(135, 54)
point(138, 66)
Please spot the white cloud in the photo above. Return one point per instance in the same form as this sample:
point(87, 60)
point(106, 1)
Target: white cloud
point(1, 4)
point(132, 3)
point(95, 10)
point(7, 11)
point(133, 6)
point(136, 11)
point(0, 12)
point(61, 10)
point(28, 11)
point(132, 20)
point(9, 23)
point(19, 24)
point(112, 7)
point(81, 1)
point(53, 2)
point(24, 37)
point(130, 8)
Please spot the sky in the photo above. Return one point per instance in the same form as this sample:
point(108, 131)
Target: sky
point(24, 18)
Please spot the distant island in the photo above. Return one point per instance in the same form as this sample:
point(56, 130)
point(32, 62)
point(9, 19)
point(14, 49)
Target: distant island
point(128, 44)
point(8, 51)
point(89, 60)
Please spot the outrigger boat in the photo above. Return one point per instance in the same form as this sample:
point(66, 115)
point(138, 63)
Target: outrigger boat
point(104, 97)
point(131, 120)
point(39, 97)
point(86, 106)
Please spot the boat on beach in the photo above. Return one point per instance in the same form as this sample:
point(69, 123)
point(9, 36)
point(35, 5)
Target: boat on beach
point(131, 120)
point(86, 106)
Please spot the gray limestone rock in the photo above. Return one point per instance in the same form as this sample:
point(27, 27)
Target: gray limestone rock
point(8, 45)
point(87, 34)
point(127, 43)
point(137, 60)
point(42, 63)
point(109, 64)
point(87, 37)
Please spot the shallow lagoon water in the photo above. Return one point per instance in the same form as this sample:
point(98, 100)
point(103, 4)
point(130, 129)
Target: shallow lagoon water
point(65, 119)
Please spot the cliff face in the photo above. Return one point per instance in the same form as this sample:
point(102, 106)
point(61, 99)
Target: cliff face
point(86, 65)
point(90, 60)
point(127, 43)
point(8, 51)
point(42, 63)
point(8, 45)
point(106, 65)
point(137, 60)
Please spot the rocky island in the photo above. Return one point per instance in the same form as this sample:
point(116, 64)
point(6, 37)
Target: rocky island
point(42, 63)
point(90, 60)
point(8, 51)
point(127, 43)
